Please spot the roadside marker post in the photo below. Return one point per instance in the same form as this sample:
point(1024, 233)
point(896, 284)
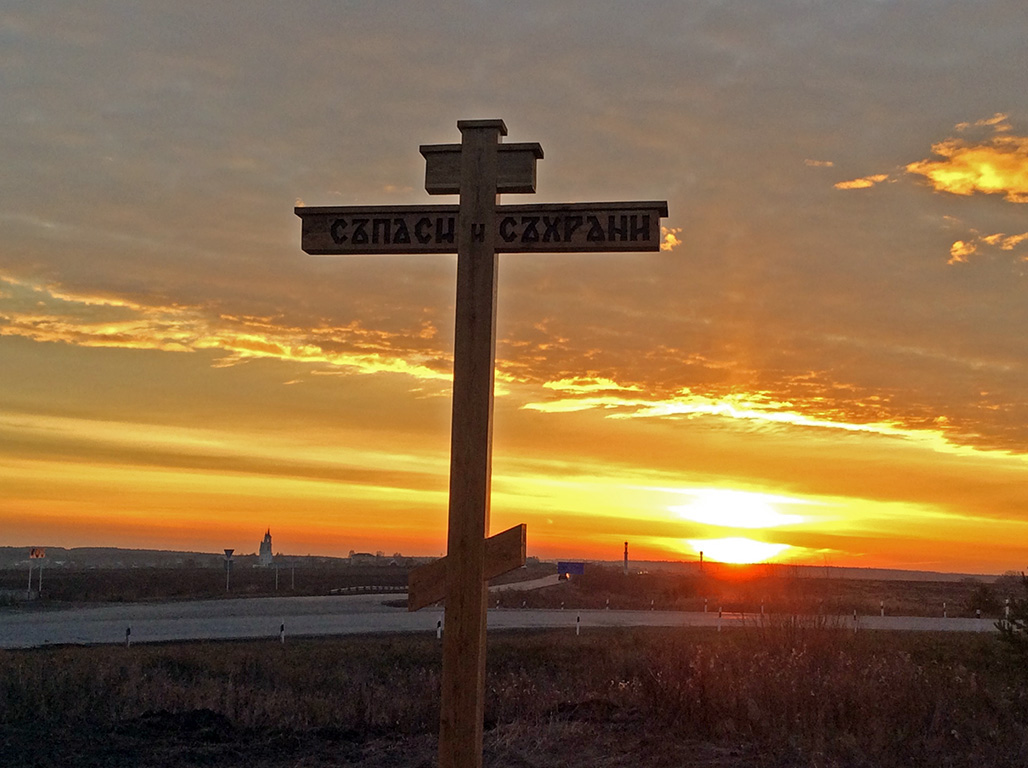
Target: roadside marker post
point(228, 567)
point(478, 170)
point(36, 553)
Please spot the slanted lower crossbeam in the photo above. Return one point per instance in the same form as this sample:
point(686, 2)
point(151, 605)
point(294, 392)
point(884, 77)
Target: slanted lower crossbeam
point(504, 552)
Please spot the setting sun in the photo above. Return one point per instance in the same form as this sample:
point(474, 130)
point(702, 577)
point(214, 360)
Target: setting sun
point(736, 550)
point(726, 510)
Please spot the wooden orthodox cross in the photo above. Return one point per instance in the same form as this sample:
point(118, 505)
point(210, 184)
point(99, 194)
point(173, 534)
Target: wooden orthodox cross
point(478, 169)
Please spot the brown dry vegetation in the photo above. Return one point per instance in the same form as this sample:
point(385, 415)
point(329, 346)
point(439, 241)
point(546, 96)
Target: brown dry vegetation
point(747, 588)
point(738, 588)
point(790, 692)
point(116, 585)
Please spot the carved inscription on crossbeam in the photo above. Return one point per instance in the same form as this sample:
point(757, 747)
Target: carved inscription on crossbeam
point(536, 228)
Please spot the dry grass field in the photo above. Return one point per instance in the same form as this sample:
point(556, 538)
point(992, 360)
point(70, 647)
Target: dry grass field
point(748, 588)
point(734, 588)
point(790, 692)
point(122, 585)
point(798, 688)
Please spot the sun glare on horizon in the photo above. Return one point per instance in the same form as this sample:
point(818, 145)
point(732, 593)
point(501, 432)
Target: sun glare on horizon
point(734, 509)
point(736, 550)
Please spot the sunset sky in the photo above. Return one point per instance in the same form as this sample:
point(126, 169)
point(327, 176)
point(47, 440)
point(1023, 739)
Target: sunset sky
point(828, 364)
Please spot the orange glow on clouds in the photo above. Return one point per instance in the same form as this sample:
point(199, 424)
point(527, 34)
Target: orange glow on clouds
point(995, 166)
point(669, 238)
point(761, 408)
point(48, 314)
point(962, 250)
point(863, 183)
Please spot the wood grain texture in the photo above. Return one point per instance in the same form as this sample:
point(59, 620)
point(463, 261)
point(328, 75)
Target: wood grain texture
point(462, 708)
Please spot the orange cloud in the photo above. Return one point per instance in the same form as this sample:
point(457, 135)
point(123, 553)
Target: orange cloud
point(863, 183)
point(587, 384)
point(49, 314)
point(997, 166)
point(960, 250)
point(760, 409)
point(977, 244)
point(669, 238)
point(997, 122)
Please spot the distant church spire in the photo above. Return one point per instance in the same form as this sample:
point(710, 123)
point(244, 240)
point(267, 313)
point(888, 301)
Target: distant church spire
point(264, 556)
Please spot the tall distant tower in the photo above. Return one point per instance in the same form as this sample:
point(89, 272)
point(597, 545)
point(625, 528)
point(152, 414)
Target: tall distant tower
point(264, 557)
point(626, 558)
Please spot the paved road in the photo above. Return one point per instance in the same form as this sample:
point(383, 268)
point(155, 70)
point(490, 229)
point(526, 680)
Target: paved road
point(351, 614)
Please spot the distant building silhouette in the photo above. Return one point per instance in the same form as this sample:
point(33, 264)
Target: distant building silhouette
point(264, 556)
point(363, 558)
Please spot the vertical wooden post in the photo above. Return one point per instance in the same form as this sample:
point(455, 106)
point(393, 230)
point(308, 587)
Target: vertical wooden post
point(463, 682)
point(478, 169)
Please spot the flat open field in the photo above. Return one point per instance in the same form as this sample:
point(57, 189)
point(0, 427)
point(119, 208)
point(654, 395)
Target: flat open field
point(797, 687)
point(789, 692)
point(734, 588)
